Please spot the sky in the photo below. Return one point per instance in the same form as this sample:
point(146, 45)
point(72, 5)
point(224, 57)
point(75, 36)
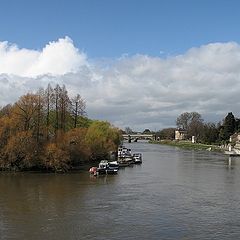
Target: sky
point(138, 64)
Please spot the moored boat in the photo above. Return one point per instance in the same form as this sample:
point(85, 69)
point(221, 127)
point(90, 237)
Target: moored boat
point(113, 165)
point(137, 158)
point(93, 170)
point(105, 167)
point(124, 152)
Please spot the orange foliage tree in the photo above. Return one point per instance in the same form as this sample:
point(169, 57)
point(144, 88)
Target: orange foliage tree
point(47, 130)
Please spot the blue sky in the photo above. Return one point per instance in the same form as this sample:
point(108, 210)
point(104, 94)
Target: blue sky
point(110, 28)
point(137, 63)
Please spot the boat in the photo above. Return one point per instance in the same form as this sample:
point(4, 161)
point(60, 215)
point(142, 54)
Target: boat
point(113, 165)
point(106, 167)
point(93, 170)
point(124, 162)
point(137, 158)
point(124, 156)
point(103, 164)
point(124, 152)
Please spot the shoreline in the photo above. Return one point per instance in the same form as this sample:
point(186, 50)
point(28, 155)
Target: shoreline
point(190, 146)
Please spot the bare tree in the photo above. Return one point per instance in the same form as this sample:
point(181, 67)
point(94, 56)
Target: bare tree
point(48, 100)
point(191, 122)
point(78, 108)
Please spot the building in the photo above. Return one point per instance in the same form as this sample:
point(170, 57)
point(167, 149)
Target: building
point(180, 134)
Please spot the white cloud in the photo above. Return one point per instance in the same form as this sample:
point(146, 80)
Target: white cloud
point(55, 58)
point(137, 91)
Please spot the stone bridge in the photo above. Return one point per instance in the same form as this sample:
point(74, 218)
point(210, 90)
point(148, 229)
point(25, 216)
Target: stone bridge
point(137, 136)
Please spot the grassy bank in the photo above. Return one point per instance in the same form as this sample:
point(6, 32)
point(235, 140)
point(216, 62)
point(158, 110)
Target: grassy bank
point(189, 145)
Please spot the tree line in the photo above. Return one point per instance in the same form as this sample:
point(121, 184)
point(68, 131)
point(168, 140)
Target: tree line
point(49, 130)
point(205, 132)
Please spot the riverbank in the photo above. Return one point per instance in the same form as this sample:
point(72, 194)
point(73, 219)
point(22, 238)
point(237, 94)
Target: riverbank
point(189, 145)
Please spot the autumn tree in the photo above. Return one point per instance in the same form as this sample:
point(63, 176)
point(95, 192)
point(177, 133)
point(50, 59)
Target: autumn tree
point(25, 111)
point(64, 107)
point(102, 138)
point(56, 95)
point(46, 130)
point(56, 158)
point(48, 102)
point(20, 152)
point(78, 148)
point(78, 108)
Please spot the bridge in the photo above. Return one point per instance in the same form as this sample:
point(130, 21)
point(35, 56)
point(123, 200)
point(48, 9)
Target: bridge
point(138, 136)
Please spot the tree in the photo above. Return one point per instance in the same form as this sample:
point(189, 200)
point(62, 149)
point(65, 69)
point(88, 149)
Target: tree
point(183, 120)
point(228, 127)
point(56, 158)
point(210, 133)
point(166, 133)
point(196, 125)
point(64, 106)
point(128, 130)
point(102, 138)
point(78, 148)
point(78, 108)
point(25, 111)
point(146, 131)
point(191, 122)
point(20, 152)
point(48, 102)
point(237, 124)
point(56, 95)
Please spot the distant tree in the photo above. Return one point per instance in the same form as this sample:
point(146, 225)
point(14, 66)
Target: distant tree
point(128, 130)
point(196, 125)
point(228, 127)
point(183, 120)
point(237, 124)
point(191, 122)
point(166, 133)
point(210, 133)
point(6, 110)
point(146, 131)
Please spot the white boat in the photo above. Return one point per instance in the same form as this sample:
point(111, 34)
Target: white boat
point(113, 165)
point(124, 152)
point(137, 158)
point(106, 167)
point(103, 164)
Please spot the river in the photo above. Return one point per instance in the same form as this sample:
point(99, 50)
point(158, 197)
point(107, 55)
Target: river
point(174, 194)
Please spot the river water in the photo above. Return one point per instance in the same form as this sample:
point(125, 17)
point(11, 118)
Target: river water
point(174, 194)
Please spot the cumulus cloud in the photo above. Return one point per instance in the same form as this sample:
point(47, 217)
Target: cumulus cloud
point(138, 91)
point(55, 58)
